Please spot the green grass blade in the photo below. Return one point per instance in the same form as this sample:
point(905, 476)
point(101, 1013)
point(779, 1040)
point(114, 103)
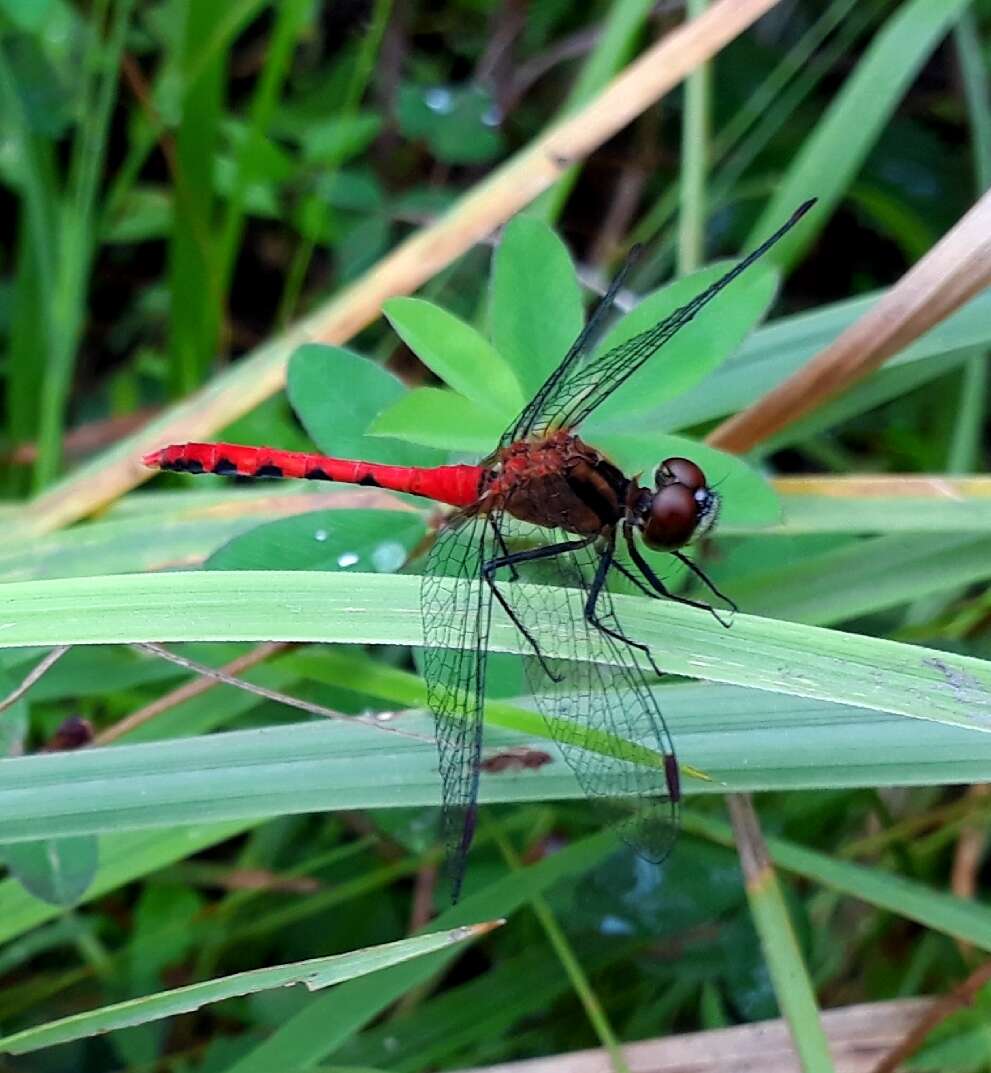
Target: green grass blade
point(315, 974)
point(835, 151)
point(792, 986)
point(326, 1022)
point(77, 238)
point(968, 921)
point(563, 950)
point(965, 446)
point(694, 159)
point(745, 740)
point(377, 609)
point(876, 514)
point(290, 18)
point(30, 334)
point(868, 575)
point(194, 266)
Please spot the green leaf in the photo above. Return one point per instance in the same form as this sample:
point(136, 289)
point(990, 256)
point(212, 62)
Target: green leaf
point(436, 417)
point(28, 15)
point(57, 871)
point(337, 394)
point(164, 932)
point(699, 347)
point(359, 540)
point(454, 351)
point(536, 307)
point(144, 213)
point(458, 123)
point(123, 858)
point(334, 140)
point(314, 974)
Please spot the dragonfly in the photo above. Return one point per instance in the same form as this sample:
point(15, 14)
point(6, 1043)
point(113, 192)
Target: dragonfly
point(548, 508)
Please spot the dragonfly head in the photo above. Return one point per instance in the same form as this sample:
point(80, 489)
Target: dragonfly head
point(681, 508)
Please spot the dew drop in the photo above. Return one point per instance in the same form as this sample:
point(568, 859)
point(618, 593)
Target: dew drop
point(439, 100)
point(492, 116)
point(388, 556)
point(320, 535)
point(346, 559)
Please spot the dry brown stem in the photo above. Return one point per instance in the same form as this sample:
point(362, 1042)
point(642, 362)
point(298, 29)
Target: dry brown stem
point(185, 692)
point(857, 1035)
point(953, 271)
point(935, 1014)
point(886, 486)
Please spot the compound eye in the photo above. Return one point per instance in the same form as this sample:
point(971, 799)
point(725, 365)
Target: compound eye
point(679, 471)
point(673, 517)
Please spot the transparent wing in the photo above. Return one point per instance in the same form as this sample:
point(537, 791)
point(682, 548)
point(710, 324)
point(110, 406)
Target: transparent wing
point(456, 608)
point(581, 383)
point(543, 401)
point(588, 698)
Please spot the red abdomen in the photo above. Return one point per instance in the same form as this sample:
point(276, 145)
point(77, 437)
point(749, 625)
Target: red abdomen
point(457, 485)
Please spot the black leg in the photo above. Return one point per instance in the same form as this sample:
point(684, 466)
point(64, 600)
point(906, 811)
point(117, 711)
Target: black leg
point(595, 590)
point(514, 574)
point(704, 578)
point(655, 582)
point(630, 576)
point(549, 551)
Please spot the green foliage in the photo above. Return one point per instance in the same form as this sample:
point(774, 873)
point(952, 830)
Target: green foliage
point(459, 123)
point(56, 870)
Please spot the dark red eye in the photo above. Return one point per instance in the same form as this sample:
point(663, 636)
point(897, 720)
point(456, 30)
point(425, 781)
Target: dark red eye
point(680, 471)
point(673, 517)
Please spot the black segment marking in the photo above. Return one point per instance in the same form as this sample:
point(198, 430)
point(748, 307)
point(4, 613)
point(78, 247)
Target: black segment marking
point(225, 467)
point(192, 465)
point(317, 474)
point(368, 481)
point(673, 776)
point(268, 470)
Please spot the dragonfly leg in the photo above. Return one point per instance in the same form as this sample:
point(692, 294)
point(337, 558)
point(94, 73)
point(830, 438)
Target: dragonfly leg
point(514, 574)
point(655, 582)
point(606, 560)
point(630, 576)
point(704, 578)
point(510, 561)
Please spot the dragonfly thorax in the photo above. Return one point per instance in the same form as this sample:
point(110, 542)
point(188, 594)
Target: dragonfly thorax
point(679, 509)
